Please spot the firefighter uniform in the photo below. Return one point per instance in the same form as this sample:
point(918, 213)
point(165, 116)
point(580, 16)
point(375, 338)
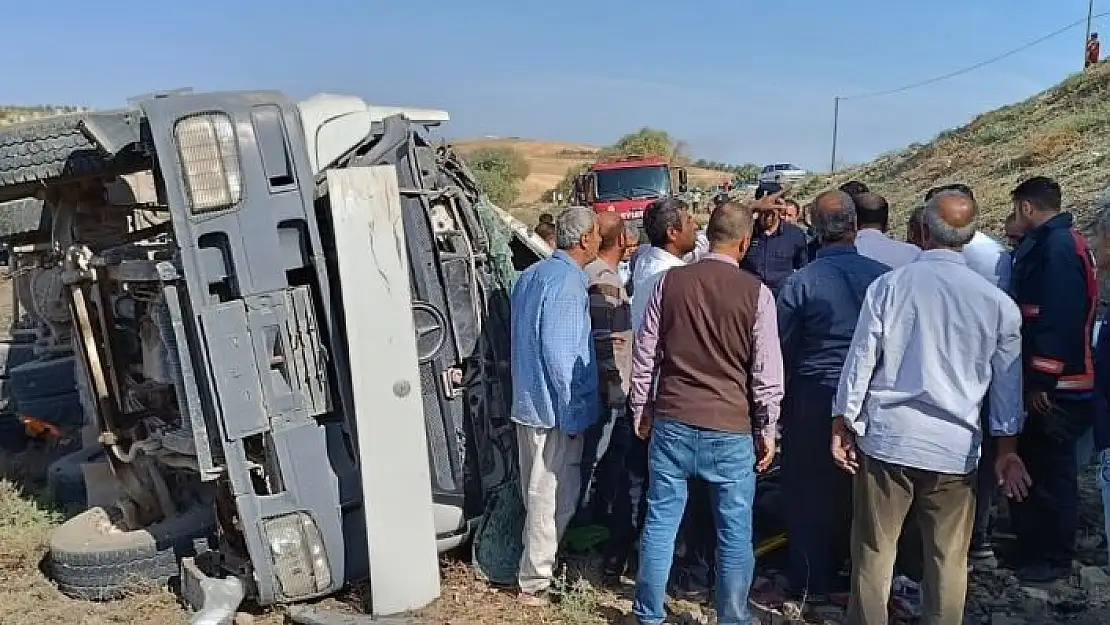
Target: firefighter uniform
point(1055, 287)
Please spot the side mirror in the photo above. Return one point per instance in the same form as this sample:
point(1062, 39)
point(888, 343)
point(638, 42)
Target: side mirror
point(683, 181)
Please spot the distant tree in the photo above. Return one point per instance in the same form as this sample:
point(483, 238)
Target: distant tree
point(748, 172)
point(645, 142)
point(499, 172)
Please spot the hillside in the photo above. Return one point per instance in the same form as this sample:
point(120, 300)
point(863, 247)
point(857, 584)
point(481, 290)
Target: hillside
point(1063, 133)
point(549, 161)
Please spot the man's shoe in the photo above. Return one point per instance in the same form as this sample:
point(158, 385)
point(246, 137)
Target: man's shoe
point(1041, 573)
point(534, 599)
point(982, 559)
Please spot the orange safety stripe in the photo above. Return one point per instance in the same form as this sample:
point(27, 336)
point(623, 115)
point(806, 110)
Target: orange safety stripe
point(1047, 365)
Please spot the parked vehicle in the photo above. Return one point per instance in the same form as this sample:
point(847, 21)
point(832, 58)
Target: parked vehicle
point(186, 265)
point(781, 173)
point(627, 185)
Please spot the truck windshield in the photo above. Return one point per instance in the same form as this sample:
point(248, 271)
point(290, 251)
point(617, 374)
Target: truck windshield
point(633, 183)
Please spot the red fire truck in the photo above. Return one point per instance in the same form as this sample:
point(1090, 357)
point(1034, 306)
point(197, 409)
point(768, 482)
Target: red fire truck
point(628, 184)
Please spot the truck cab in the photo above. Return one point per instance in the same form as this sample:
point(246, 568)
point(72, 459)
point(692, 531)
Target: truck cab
point(213, 297)
point(627, 185)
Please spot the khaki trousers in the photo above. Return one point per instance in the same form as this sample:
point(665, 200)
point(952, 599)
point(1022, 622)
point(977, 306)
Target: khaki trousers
point(945, 509)
point(551, 480)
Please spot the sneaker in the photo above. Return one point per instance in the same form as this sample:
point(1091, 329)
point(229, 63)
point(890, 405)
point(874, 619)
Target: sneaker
point(982, 559)
point(534, 599)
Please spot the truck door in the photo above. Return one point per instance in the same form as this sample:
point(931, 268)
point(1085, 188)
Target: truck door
point(254, 303)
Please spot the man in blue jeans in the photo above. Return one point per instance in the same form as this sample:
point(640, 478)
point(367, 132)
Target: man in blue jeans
point(710, 338)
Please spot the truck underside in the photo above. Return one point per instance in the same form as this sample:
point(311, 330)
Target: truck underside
point(181, 267)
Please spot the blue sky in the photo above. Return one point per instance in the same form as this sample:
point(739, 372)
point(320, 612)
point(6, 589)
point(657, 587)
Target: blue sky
point(740, 81)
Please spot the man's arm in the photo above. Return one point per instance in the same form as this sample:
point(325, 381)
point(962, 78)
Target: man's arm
point(1061, 311)
point(645, 353)
point(610, 321)
point(789, 305)
point(1006, 410)
point(863, 356)
point(567, 352)
point(767, 388)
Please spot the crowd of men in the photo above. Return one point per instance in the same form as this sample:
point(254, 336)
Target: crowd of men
point(906, 383)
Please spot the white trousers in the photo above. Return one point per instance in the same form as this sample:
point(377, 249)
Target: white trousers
point(551, 478)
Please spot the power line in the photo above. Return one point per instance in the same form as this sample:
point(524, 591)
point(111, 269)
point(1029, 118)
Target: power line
point(970, 68)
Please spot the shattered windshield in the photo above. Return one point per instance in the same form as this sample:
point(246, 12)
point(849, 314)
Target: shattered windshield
point(633, 183)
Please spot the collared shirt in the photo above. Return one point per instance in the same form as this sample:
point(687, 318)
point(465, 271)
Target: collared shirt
point(932, 337)
point(554, 371)
point(877, 245)
point(766, 374)
point(611, 323)
point(648, 265)
point(701, 247)
point(986, 257)
point(818, 308)
point(772, 257)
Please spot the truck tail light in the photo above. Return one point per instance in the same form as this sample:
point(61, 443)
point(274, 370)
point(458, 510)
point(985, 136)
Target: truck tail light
point(209, 157)
point(297, 550)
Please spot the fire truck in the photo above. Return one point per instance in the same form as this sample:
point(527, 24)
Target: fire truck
point(628, 184)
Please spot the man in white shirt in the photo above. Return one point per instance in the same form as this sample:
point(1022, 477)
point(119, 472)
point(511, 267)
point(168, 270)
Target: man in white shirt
point(907, 413)
point(671, 232)
point(988, 258)
point(873, 216)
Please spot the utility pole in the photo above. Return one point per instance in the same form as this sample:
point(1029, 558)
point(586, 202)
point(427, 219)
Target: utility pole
point(1090, 13)
point(836, 128)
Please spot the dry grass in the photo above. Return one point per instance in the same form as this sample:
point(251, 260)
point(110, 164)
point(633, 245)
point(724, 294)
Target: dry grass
point(1060, 133)
point(550, 160)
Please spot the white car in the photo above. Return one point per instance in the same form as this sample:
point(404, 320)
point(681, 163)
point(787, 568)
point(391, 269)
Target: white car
point(781, 173)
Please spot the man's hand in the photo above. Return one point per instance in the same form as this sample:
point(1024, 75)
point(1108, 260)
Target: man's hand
point(1039, 402)
point(844, 446)
point(765, 448)
point(642, 423)
point(1013, 479)
point(772, 202)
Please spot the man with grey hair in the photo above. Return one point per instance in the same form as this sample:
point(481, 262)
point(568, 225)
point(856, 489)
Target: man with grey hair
point(555, 394)
point(817, 312)
point(906, 413)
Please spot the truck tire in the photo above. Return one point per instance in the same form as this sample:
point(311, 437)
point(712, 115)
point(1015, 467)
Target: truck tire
point(43, 378)
point(88, 562)
point(63, 410)
point(45, 149)
point(65, 478)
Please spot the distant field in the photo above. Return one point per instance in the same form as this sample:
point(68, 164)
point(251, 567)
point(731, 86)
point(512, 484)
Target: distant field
point(550, 160)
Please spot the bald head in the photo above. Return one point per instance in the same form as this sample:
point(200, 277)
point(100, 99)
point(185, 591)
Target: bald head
point(729, 224)
point(833, 199)
point(610, 226)
point(948, 220)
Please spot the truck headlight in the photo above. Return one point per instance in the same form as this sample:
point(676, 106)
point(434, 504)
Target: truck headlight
point(297, 550)
point(209, 157)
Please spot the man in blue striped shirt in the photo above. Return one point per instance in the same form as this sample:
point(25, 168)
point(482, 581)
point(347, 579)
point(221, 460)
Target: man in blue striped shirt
point(555, 396)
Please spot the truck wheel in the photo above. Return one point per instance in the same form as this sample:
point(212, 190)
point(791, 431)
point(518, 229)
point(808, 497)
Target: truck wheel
point(91, 559)
point(65, 477)
point(46, 148)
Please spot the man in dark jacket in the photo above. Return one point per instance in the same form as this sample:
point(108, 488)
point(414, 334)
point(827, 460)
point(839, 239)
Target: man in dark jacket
point(1055, 287)
point(817, 313)
point(778, 248)
point(1102, 373)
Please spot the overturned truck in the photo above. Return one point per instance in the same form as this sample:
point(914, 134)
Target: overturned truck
point(223, 273)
